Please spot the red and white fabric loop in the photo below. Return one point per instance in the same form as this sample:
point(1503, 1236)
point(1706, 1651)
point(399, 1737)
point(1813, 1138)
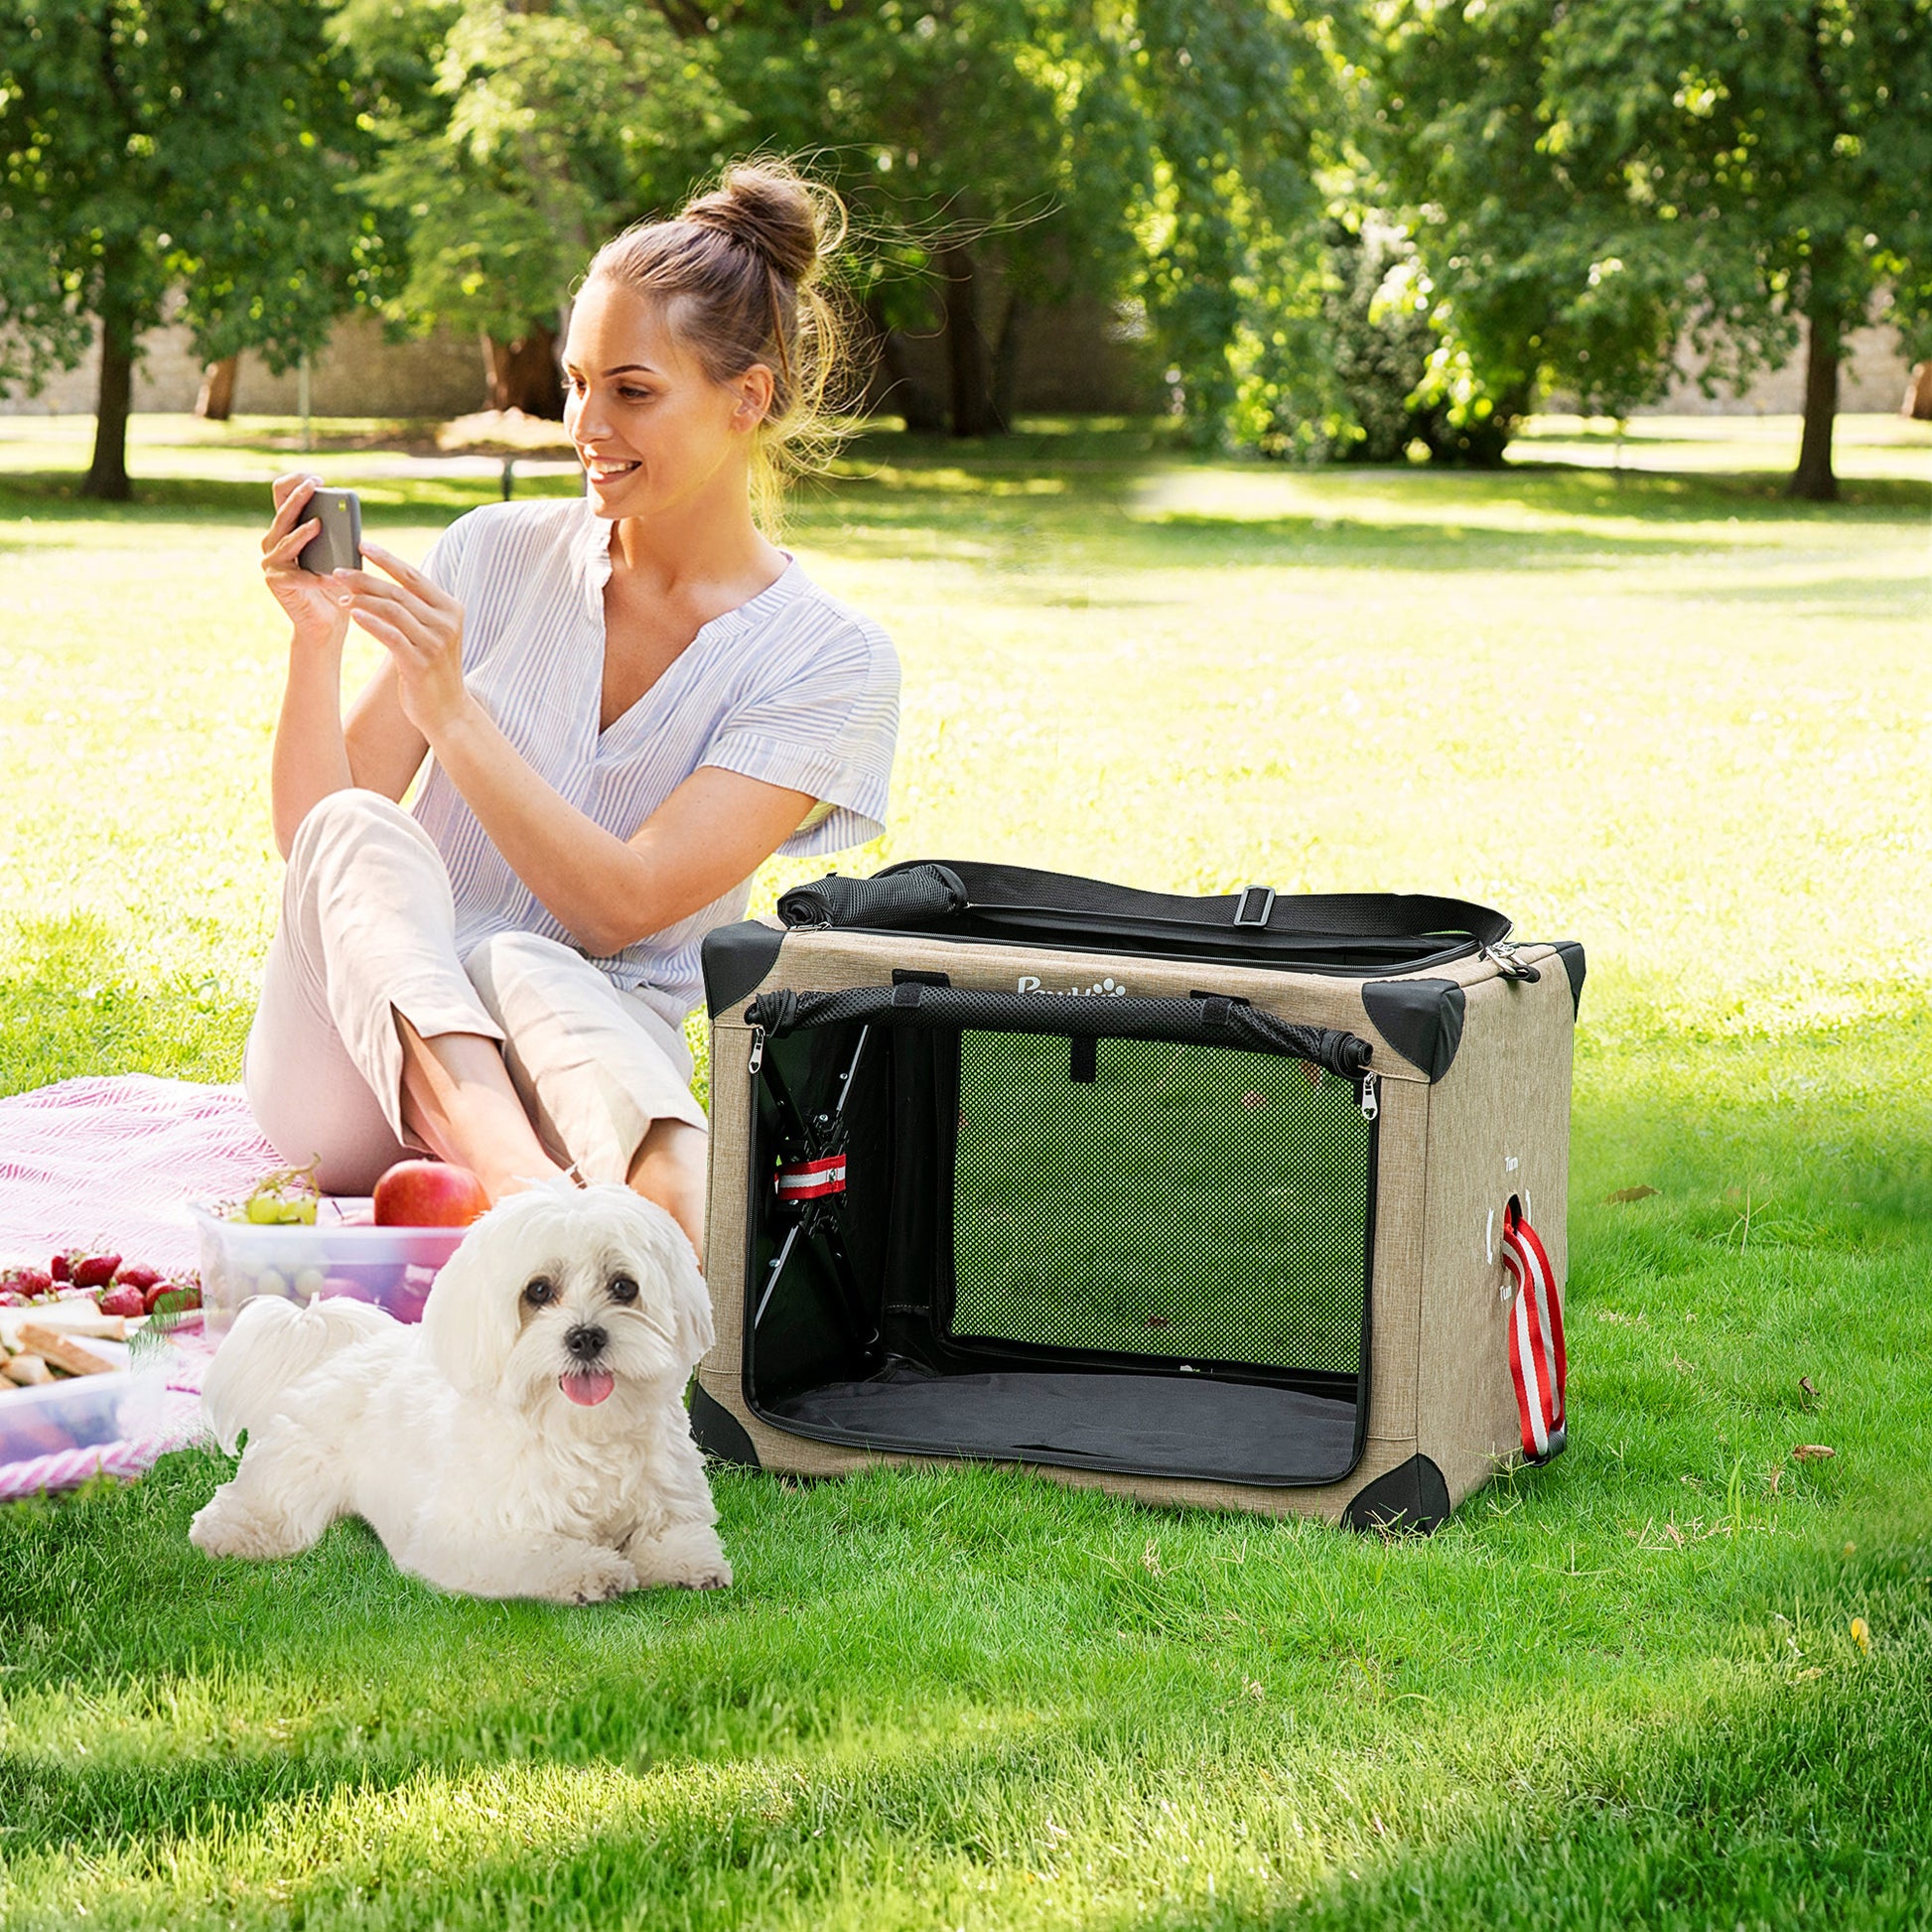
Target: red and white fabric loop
point(1536, 1359)
point(802, 1181)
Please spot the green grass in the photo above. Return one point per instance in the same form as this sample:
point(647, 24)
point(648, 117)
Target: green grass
point(1659, 709)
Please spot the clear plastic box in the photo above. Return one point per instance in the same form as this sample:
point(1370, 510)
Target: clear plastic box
point(341, 1253)
point(81, 1413)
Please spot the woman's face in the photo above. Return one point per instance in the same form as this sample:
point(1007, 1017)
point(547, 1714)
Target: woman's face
point(653, 430)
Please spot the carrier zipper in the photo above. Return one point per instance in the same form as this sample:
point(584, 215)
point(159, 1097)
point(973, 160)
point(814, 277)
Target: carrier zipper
point(757, 1050)
point(1371, 1105)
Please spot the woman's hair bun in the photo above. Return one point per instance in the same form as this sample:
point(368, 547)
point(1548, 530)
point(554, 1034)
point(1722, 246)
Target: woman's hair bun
point(770, 210)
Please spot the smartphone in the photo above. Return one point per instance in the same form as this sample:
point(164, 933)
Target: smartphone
point(338, 545)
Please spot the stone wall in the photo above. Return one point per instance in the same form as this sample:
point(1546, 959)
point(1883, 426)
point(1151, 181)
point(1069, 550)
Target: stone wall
point(1077, 360)
point(1871, 378)
point(357, 373)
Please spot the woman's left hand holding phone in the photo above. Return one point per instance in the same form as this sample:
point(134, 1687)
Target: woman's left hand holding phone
point(420, 626)
point(305, 598)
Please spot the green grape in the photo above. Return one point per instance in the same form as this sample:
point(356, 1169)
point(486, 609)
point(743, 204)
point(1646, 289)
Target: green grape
point(286, 1198)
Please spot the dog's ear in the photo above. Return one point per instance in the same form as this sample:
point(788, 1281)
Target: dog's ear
point(668, 1251)
point(470, 1321)
point(691, 1300)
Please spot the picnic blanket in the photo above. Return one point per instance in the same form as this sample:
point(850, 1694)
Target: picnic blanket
point(109, 1164)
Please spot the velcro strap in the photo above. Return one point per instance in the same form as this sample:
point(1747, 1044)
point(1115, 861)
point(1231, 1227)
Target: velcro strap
point(1537, 1365)
point(812, 1180)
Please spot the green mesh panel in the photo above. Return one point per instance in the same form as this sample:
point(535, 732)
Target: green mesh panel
point(1188, 1202)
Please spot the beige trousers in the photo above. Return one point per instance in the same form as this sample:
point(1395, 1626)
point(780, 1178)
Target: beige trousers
point(368, 931)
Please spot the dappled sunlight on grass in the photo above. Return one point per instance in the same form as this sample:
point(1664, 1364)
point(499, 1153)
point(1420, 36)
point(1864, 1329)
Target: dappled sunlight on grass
point(1672, 716)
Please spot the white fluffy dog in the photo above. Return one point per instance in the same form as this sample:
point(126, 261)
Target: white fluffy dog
point(528, 1440)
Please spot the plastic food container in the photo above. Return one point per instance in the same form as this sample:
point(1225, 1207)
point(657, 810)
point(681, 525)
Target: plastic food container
point(341, 1253)
point(55, 1419)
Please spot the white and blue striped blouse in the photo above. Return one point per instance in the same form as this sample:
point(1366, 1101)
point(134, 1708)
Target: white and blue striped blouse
point(791, 687)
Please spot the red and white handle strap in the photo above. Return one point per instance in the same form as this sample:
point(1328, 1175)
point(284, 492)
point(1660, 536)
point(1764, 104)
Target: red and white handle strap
point(812, 1180)
point(1536, 1358)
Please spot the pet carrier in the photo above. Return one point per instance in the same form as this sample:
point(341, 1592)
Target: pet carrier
point(1232, 1201)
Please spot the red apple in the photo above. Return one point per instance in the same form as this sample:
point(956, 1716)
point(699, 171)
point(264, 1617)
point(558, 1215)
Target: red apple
point(428, 1194)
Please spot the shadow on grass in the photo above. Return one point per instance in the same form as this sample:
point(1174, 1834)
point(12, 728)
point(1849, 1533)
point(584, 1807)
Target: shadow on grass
point(1796, 1791)
point(71, 1005)
point(914, 1673)
point(54, 498)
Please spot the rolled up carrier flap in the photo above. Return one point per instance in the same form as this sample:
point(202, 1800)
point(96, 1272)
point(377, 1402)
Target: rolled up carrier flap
point(914, 897)
point(1209, 1018)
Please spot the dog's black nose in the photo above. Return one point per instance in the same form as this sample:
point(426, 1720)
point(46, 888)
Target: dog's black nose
point(585, 1341)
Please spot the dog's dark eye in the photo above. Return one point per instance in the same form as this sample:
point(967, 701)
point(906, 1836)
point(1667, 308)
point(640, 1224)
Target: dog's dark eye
point(622, 1288)
point(539, 1292)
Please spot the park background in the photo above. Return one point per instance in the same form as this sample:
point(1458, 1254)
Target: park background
point(1390, 583)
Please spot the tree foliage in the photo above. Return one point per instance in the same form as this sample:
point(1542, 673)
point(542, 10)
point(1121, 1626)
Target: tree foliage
point(184, 157)
point(1600, 180)
point(989, 152)
point(517, 139)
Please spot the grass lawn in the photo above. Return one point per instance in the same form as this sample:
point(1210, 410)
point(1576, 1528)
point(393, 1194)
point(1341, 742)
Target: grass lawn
point(1681, 1679)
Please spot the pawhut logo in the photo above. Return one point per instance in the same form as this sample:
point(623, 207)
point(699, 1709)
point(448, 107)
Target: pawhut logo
point(1029, 984)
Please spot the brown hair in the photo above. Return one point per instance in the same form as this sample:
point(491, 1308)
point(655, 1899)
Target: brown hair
point(738, 270)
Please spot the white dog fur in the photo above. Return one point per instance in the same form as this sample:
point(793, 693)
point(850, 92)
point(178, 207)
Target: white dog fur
point(456, 1439)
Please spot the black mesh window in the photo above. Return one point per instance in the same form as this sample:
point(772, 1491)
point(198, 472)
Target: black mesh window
point(1161, 1200)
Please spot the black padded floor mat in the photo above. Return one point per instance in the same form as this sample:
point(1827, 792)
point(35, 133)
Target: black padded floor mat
point(1146, 1424)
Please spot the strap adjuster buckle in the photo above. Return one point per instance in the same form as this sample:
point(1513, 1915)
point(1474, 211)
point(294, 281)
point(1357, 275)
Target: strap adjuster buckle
point(1245, 912)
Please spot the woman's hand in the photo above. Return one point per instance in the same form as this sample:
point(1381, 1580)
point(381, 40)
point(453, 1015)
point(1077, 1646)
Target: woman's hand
point(419, 624)
point(313, 607)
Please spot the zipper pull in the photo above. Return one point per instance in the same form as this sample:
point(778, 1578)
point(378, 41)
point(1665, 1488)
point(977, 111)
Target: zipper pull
point(1371, 1105)
point(757, 1050)
point(1502, 955)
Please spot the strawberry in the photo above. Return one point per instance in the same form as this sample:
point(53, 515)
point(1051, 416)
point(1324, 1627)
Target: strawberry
point(172, 1298)
point(59, 1268)
point(123, 1300)
point(27, 1281)
point(94, 1271)
point(11, 1298)
point(137, 1274)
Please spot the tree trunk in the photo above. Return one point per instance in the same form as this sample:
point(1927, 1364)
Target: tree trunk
point(972, 390)
point(107, 473)
point(895, 383)
point(524, 373)
point(1006, 363)
point(1813, 480)
point(1917, 406)
point(215, 403)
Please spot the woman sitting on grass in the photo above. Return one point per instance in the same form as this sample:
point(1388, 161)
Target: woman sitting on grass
point(629, 701)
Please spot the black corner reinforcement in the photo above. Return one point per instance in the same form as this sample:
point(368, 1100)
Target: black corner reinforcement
point(1421, 1019)
point(718, 1431)
point(1412, 1496)
point(737, 959)
point(1571, 952)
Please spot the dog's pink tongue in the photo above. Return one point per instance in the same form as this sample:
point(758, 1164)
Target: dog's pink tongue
point(589, 1390)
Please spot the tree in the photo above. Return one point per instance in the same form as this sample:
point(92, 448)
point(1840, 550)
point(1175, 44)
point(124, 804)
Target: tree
point(158, 151)
point(1599, 181)
point(518, 139)
point(1245, 107)
point(989, 151)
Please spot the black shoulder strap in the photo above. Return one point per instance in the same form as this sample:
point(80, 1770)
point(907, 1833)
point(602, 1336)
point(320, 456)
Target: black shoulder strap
point(1032, 896)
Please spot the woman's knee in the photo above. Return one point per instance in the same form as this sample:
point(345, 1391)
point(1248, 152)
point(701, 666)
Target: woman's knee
point(505, 961)
point(344, 827)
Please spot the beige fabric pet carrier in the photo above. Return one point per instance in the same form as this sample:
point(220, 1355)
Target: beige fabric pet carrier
point(1250, 1203)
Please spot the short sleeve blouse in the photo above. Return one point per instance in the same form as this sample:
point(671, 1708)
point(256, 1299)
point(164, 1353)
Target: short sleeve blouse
point(791, 687)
